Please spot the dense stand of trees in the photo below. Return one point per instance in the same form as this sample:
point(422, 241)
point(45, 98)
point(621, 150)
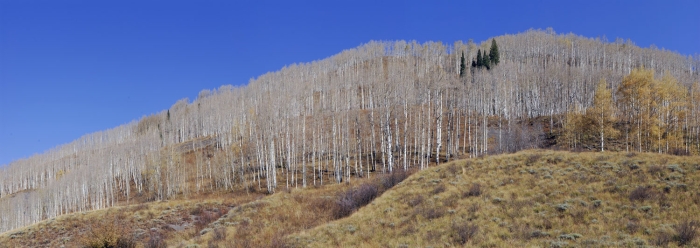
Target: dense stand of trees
point(380, 107)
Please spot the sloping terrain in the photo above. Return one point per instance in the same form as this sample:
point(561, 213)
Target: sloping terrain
point(238, 219)
point(531, 199)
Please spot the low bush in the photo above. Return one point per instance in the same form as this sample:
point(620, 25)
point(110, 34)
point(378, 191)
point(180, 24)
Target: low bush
point(218, 234)
point(686, 232)
point(642, 193)
point(156, 241)
point(439, 189)
point(394, 178)
point(352, 199)
point(416, 201)
point(429, 212)
point(474, 190)
point(662, 239)
point(464, 232)
point(204, 218)
point(109, 235)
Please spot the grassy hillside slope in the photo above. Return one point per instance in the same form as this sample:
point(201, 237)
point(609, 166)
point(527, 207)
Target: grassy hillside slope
point(531, 198)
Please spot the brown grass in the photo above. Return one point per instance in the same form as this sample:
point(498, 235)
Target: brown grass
point(530, 199)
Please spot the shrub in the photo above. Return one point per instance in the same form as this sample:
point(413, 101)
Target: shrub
point(156, 241)
point(562, 207)
point(452, 168)
point(632, 227)
point(389, 181)
point(630, 164)
point(641, 193)
point(219, 234)
point(416, 201)
point(109, 234)
point(662, 239)
point(474, 190)
point(686, 232)
point(439, 189)
point(277, 241)
point(352, 199)
point(532, 159)
point(196, 211)
point(464, 232)
point(204, 218)
point(430, 213)
point(679, 152)
point(655, 170)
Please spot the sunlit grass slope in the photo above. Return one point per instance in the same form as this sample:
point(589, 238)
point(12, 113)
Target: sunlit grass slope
point(531, 199)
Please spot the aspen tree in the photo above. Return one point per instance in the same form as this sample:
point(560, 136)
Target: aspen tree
point(603, 113)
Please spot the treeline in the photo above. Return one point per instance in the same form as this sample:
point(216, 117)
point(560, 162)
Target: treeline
point(381, 107)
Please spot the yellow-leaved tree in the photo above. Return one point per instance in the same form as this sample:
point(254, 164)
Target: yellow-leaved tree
point(669, 101)
point(636, 103)
point(602, 113)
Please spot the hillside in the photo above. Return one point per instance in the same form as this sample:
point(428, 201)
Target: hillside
point(530, 198)
point(377, 108)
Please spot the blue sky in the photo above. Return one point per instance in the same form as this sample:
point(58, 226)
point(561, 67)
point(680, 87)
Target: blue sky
point(68, 68)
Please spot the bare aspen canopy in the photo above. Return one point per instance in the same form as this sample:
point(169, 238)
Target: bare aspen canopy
point(380, 107)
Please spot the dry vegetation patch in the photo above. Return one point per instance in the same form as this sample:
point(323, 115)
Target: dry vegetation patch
point(531, 198)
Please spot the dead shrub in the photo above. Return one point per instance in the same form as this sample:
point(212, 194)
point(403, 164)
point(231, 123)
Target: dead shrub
point(105, 234)
point(662, 239)
point(473, 208)
point(218, 234)
point(277, 241)
point(632, 226)
point(452, 168)
point(416, 201)
point(392, 179)
point(642, 193)
point(156, 241)
point(432, 235)
point(196, 211)
point(686, 232)
point(679, 152)
point(474, 190)
point(450, 201)
point(204, 218)
point(243, 234)
point(532, 159)
point(439, 189)
point(464, 232)
point(352, 199)
point(429, 212)
point(655, 170)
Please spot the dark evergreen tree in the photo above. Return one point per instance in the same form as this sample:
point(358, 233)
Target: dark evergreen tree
point(479, 59)
point(493, 54)
point(462, 66)
point(487, 62)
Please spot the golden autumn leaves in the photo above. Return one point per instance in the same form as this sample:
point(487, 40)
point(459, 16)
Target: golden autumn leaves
point(651, 113)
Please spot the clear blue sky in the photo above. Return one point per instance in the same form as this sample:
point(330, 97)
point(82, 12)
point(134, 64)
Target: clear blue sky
point(68, 68)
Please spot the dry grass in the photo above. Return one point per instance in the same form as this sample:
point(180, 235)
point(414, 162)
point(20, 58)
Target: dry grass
point(157, 224)
point(531, 199)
